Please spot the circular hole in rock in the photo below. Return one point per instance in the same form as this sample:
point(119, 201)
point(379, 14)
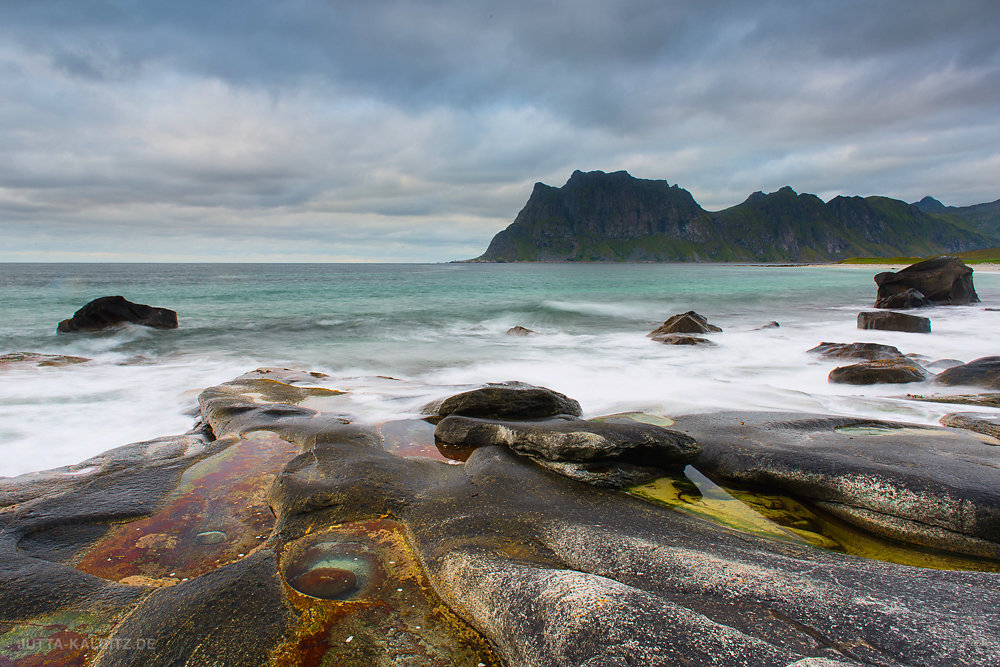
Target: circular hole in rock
point(334, 571)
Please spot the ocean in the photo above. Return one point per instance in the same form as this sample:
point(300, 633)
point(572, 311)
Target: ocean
point(398, 335)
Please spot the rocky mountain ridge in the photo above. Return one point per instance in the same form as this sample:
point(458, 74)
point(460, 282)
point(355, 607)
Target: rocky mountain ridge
point(598, 216)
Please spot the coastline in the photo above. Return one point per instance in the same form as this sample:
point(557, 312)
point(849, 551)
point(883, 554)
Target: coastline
point(985, 268)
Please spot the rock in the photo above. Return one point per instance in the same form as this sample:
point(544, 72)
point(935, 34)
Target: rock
point(893, 321)
point(986, 400)
point(943, 281)
point(26, 359)
point(974, 421)
point(605, 474)
point(513, 400)
point(575, 440)
point(531, 568)
point(905, 300)
point(983, 372)
point(680, 339)
point(929, 486)
point(770, 325)
point(941, 364)
point(685, 323)
point(865, 351)
point(519, 331)
point(881, 371)
point(114, 311)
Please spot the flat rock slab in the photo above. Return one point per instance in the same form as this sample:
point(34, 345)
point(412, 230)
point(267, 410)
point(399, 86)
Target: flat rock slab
point(882, 371)
point(29, 359)
point(507, 400)
point(935, 487)
point(983, 372)
point(681, 339)
point(893, 321)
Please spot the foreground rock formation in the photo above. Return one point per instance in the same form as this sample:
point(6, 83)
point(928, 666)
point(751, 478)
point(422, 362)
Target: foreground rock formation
point(108, 312)
point(278, 532)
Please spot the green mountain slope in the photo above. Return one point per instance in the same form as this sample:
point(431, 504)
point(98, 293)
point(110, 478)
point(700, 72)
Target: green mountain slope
point(615, 217)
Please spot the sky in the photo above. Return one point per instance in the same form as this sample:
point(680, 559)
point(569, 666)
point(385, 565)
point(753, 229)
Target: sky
point(315, 131)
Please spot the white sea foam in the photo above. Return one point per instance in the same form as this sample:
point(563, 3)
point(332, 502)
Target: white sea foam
point(438, 343)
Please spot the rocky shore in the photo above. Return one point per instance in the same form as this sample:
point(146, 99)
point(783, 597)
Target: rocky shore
point(282, 531)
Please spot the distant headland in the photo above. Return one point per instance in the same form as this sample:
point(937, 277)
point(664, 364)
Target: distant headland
point(605, 217)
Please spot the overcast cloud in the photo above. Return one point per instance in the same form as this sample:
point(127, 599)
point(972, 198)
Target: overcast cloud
point(317, 130)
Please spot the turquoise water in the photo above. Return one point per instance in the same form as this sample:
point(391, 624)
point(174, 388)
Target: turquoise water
point(437, 328)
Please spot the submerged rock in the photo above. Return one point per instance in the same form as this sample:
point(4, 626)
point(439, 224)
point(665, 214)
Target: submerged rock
point(25, 359)
point(893, 321)
point(865, 351)
point(943, 281)
point(514, 400)
point(108, 312)
point(881, 371)
point(519, 331)
point(684, 323)
point(983, 372)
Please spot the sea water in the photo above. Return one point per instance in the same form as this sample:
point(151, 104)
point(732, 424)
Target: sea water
point(398, 335)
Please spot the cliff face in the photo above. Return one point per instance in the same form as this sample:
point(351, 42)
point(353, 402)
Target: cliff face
point(615, 217)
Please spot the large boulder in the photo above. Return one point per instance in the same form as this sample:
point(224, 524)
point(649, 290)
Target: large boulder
point(880, 371)
point(905, 300)
point(983, 372)
point(505, 400)
point(893, 321)
point(108, 312)
point(864, 351)
point(684, 323)
point(943, 281)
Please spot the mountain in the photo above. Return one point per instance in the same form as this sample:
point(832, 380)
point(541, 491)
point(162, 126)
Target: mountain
point(984, 218)
point(598, 216)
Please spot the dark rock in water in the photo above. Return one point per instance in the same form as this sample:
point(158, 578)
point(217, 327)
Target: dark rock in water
point(881, 371)
point(770, 325)
point(942, 364)
point(113, 311)
point(893, 321)
point(905, 300)
point(943, 281)
point(26, 359)
point(983, 372)
point(929, 486)
point(574, 440)
point(519, 331)
point(513, 400)
point(681, 339)
point(974, 421)
point(865, 351)
point(685, 323)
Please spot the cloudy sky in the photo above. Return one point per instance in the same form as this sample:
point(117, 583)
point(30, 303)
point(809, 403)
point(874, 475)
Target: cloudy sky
point(312, 130)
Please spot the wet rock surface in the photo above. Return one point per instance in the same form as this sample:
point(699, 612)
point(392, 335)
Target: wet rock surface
point(507, 400)
point(906, 300)
point(684, 323)
point(893, 321)
point(974, 421)
point(925, 485)
point(883, 371)
point(864, 351)
point(30, 359)
point(942, 281)
point(681, 339)
point(519, 331)
point(109, 312)
point(363, 557)
point(984, 372)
